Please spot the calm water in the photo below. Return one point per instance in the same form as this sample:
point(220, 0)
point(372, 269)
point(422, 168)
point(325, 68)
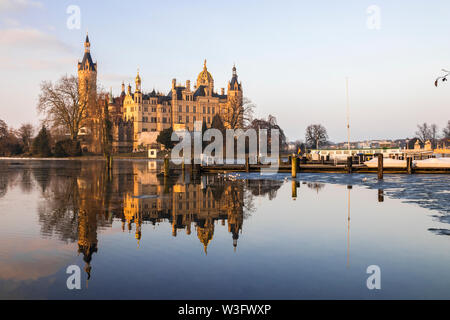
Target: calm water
point(136, 235)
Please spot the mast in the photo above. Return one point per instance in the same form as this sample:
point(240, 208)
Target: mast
point(348, 229)
point(348, 117)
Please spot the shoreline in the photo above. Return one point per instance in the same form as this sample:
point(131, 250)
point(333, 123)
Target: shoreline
point(90, 158)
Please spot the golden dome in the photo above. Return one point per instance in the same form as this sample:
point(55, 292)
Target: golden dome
point(205, 234)
point(138, 78)
point(204, 77)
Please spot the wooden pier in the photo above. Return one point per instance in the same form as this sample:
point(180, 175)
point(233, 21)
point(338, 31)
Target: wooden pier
point(296, 165)
point(321, 168)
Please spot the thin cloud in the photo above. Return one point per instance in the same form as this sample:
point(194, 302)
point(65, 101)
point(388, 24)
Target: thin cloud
point(33, 49)
point(18, 5)
point(31, 39)
point(10, 22)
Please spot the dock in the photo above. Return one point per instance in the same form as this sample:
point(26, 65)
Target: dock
point(296, 165)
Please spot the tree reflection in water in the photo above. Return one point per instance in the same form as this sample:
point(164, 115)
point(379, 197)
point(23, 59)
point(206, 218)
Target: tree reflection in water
point(80, 198)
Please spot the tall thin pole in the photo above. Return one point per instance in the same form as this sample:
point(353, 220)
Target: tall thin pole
point(348, 230)
point(348, 116)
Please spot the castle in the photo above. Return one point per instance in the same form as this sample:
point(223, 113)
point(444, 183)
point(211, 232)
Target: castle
point(138, 117)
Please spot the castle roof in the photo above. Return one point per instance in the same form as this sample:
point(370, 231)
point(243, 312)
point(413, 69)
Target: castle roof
point(87, 63)
point(234, 84)
point(204, 77)
point(178, 91)
point(201, 92)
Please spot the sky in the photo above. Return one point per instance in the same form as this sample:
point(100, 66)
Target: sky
point(293, 57)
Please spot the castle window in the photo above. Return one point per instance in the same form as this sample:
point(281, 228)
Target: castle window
point(187, 108)
point(194, 119)
point(187, 119)
point(195, 109)
point(213, 110)
point(145, 109)
point(209, 110)
point(209, 120)
point(204, 109)
point(164, 120)
point(180, 109)
point(204, 119)
point(153, 109)
point(144, 130)
point(180, 119)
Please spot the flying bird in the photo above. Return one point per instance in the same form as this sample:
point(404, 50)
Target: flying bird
point(443, 78)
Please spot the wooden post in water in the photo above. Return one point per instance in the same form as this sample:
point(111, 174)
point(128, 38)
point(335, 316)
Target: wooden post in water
point(380, 195)
point(349, 164)
point(247, 164)
point(166, 167)
point(294, 190)
point(409, 165)
point(294, 166)
point(380, 166)
point(183, 169)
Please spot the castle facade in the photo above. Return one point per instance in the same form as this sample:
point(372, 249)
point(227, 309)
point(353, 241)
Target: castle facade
point(139, 116)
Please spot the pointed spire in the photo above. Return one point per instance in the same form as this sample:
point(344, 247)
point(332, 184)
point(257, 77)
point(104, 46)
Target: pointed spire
point(204, 65)
point(110, 95)
point(87, 44)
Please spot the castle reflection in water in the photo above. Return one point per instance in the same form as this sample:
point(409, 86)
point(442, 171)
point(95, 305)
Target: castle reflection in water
point(82, 198)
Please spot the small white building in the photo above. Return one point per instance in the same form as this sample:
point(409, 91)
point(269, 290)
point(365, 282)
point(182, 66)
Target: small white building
point(343, 154)
point(152, 153)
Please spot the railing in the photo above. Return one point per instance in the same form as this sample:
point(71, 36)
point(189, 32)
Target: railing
point(441, 151)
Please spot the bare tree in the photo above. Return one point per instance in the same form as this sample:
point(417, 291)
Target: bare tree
point(62, 104)
point(3, 129)
point(9, 143)
point(446, 130)
point(26, 133)
point(315, 135)
point(423, 132)
point(239, 113)
point(269, 124)
point(434, 134)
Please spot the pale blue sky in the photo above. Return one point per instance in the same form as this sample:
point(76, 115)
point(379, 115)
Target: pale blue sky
point(292, 56)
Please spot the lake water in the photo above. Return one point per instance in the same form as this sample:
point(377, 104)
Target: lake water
point(137, 235)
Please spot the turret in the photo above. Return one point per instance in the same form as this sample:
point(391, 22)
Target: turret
point(234, 87)
point(205, 79)
point(138, 82)
point(87, 78)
